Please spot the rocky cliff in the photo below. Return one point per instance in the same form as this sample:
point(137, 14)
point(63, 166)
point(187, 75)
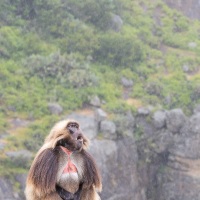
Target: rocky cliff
point(190, 7)
point(148, 156)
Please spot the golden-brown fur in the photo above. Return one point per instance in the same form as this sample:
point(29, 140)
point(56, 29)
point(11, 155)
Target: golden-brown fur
point(46, 171)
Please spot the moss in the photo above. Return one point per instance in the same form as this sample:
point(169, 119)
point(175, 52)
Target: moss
point(138, 132)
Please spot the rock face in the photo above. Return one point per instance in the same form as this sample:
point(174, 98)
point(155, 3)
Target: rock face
point(8, 191)
point(108, 129)
point(174, 168)
point(190, 7)
point(117, 165)
point(146, 156)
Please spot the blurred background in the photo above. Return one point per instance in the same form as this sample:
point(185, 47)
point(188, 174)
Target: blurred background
point(127, 70)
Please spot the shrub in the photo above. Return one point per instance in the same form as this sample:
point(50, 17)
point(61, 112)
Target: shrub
point(11, 42)
point(177, 90)
point(3, 123)
point(154, 88)
point(195, 96)
point(81, 38)
point(60, 69)
point(117, 50)
point(34, 45)
point(181, 24)
point(94, 11)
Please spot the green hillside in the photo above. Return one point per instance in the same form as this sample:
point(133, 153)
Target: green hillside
point(70, 51)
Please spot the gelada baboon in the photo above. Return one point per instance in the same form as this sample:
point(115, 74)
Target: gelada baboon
point(62, 168)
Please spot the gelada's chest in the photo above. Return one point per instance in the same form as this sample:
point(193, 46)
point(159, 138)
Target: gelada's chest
point(69, 165)
point(69, 178)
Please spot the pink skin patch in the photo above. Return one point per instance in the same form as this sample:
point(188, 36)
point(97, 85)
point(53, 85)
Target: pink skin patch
point(70, 167)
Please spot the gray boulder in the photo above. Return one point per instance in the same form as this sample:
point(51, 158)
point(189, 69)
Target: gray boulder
point(116, 23)
point(186, 68)
point(100, 115)
point(143, 111)
point(195, 124)
point(192, 45)
point(126, 82)
point(175, 120)
point(159, 119)
point(55, 108)
point(95, 101)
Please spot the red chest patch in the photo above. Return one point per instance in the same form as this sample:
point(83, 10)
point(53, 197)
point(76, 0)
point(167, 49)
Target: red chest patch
point(70, 167)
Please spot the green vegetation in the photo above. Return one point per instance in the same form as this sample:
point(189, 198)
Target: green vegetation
point(68, 51)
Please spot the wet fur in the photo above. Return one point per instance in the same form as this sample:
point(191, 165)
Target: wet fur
point(47, 167)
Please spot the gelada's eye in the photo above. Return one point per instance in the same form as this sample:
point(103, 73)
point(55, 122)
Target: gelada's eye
point(72, 126)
